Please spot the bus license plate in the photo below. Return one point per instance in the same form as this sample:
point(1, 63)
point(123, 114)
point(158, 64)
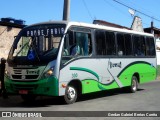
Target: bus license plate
point(23, 91)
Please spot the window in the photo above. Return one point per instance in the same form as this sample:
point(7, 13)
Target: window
point(110, 43)
point(105, 43)
point(150, 47)
point(128, 44)
point(81, 46)
point(139, 45)
point(22, 46)
point(77, 44)
point(100, 43)
point(121, 44)
point(124, 44)
point(68, 43)
point(47, 43)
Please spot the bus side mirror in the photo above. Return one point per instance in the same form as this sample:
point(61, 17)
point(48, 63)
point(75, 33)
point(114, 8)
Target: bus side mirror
point(15, 37)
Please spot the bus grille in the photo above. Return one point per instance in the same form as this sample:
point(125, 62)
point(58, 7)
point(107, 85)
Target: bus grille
point(24, 74)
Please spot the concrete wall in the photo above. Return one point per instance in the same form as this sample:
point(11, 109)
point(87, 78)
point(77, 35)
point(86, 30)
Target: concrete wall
point(6, 39)
point(158, 50)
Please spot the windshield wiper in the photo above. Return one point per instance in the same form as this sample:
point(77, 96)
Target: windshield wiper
point(23, 47)
point(31, 46)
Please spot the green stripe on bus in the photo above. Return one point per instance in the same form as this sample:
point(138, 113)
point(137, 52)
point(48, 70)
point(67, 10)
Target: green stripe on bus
point(94, 86)
point(86, 70)
point(100, 86)
point(146, 73)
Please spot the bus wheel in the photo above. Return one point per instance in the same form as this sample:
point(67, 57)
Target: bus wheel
point(70, 94)
point(28, 98)
point(134, 84)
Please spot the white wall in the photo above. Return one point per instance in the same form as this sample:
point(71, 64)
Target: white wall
point(158, 51)
point(6, 39)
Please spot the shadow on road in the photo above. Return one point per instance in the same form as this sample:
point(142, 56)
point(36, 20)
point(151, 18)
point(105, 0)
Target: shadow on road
point(41, 101)
point(106, 93)
point(16, 101)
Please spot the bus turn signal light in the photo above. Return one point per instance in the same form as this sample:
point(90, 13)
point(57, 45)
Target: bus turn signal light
point(63, 85)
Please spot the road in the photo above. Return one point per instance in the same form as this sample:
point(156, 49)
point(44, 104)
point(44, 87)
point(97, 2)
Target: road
point(147, 98)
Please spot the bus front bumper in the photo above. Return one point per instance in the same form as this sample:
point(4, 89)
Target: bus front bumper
point(47, 86)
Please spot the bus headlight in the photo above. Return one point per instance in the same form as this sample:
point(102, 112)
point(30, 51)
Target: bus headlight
point(7, 73)
point(49, 72)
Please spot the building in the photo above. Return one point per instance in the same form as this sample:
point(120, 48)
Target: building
point(156, 33)
point(9, 28)
point(109, 24)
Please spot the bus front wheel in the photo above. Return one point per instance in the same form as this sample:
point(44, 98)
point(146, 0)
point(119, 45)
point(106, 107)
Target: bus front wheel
point(70, 94)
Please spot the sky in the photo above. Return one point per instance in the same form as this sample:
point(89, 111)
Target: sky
point(34, 11)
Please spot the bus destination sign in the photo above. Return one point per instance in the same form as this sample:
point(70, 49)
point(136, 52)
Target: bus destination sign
point(56, 31)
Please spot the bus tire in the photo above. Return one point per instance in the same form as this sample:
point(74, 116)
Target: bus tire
point(134, 84)
point(70, 94)
point(28, 98)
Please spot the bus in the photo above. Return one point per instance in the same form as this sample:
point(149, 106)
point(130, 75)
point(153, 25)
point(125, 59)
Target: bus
point(60, 58)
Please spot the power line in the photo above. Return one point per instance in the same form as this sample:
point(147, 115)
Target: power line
point(136, 10)
point(87, 9)
point(141, 8)
point(106, 1)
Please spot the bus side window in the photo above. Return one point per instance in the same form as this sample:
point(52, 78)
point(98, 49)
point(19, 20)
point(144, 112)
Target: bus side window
point(100, 42)
point(105, 43)
point(121, 44)
point(110, 43)
point(150, 48)
point(77, 43)
point(128, 44)
point(139, 46)
point(124, 44)
point(82, 44)
point(68, 43)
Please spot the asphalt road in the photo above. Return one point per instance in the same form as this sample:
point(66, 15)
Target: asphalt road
point(147, 98)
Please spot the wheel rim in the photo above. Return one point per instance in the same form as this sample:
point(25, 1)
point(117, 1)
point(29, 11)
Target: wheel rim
point(71, 93)
point(134, 85)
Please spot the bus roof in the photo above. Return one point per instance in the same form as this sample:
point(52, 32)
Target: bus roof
point(96, 26)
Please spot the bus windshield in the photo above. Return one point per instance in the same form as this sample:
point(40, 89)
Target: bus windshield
point(36, 45)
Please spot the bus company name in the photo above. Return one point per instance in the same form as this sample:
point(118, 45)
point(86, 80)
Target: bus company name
point(33, 72)
point(112, 65)
point(46, 32)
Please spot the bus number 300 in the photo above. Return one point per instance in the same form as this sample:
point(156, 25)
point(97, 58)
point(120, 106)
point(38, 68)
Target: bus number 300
point(74, 75)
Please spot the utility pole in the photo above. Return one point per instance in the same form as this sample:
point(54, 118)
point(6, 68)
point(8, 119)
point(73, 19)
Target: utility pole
point(152, 30)
point(66, 10)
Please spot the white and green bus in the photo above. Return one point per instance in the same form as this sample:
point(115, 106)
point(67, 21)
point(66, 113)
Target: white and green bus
point(69, 59)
